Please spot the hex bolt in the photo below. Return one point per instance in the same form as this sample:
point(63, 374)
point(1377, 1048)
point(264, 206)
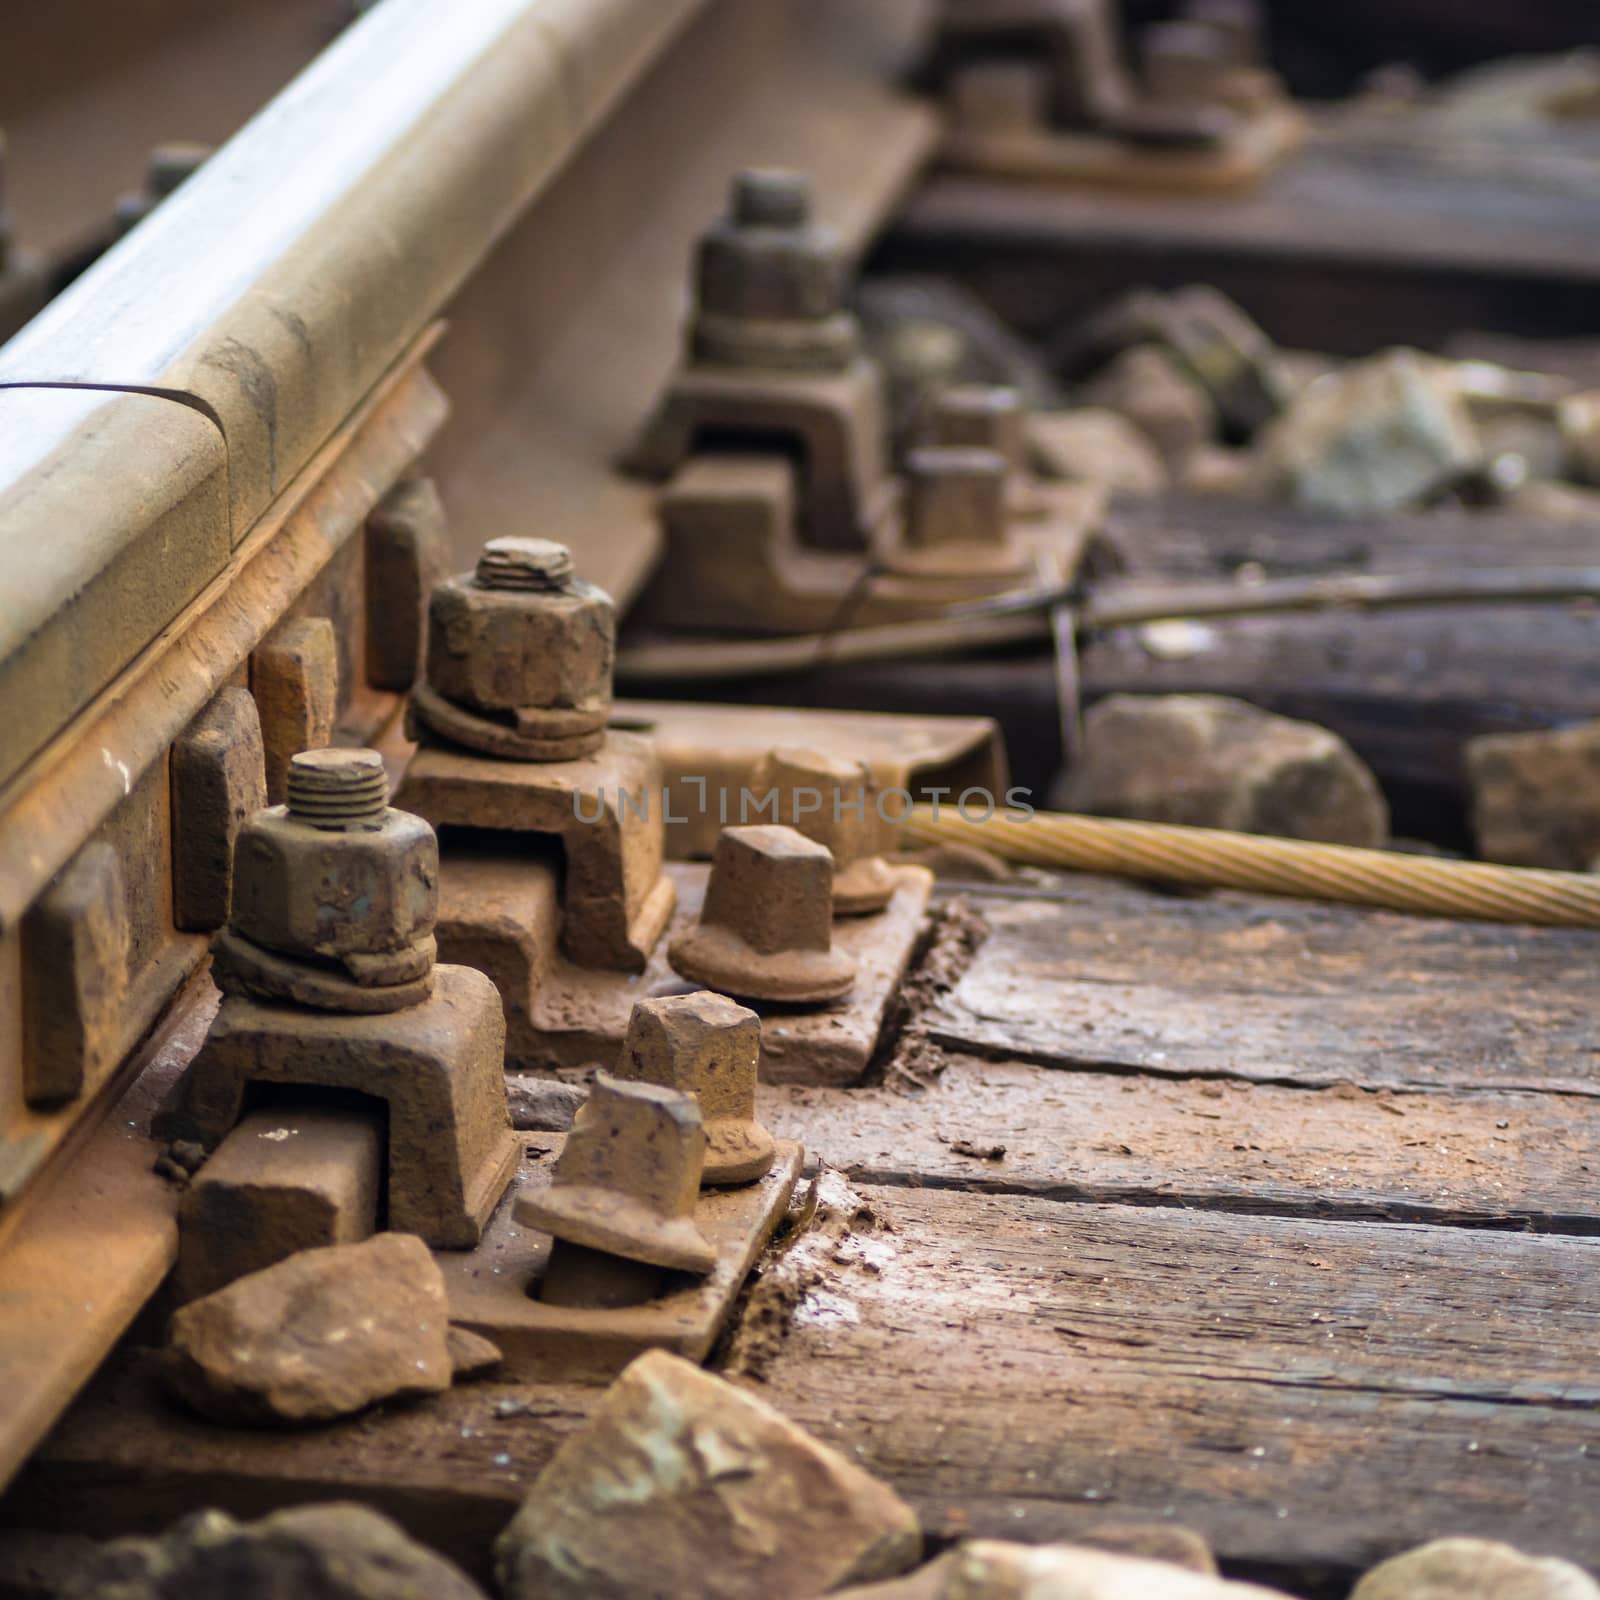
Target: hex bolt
point(766, 929)
point(833, 802)
point(771, 197)
point(957, 496)
point(980, 416)
point(624, 1188)
point(709, 1047)
point(770, 282)
point(335, 879)
point(337, 788)
point(520, 655)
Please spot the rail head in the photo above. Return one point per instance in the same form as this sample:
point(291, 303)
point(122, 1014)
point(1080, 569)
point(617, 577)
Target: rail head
point(270, 294)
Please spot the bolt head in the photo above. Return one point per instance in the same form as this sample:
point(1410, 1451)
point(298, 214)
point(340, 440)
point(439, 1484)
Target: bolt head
point(773, 887)
point(627, 1178)
point(501, 649)
point(980, 416)
point(703, 1043)
point(710, 1047)
point(771, 197)
point(829, 800)
point(318, 894)
point(956, 496)
point(765, 931)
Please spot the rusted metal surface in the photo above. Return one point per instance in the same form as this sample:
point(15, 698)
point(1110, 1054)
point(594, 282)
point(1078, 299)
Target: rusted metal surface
point(296, 1178)
point(76, 979)
point(710, 1048)
point(774, 352)
point(1039, 89)
point(311, 420)
point(627, 1179)
point(134, 489)
point(328, 980)
point(404, 558)
point(82, 1250)
point(833, 801)
point(615, 901)
point(520, 655)
point(495, 1290)
point(337, 881)
point(734, 556)
point(218, 780)
point(437, 1066)
point(294, 680)
point(765, 929)
point(715, 749)
point(106, 776)
point(277, 260)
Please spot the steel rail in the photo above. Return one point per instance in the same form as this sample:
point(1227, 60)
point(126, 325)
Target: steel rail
point(265, 299)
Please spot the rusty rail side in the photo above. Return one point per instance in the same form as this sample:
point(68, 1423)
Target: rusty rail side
point(197, 434)
point(268, 296)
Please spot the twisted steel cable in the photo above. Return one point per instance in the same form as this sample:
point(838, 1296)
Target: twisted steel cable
point(1213, 858)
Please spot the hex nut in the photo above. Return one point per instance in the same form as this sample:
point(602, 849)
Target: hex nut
point(322, 894)
point(770, 282)
point(501, 646)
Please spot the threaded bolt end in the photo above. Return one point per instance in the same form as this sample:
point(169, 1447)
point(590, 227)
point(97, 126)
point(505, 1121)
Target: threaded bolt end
point(771, 198)
point(539, 564)
point(337, 788)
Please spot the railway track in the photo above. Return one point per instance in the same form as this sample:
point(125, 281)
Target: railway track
point(444, 267)
point(266, 353)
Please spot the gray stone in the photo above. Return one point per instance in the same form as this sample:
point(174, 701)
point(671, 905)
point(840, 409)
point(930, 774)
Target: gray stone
point(928, 333)
point(1147, 385)
point(1378, 435)
point(1212, 339)
point(1536, 796)
point(470, 1353)
point(317, 1336)
point(320, 1552)
point(1210, 761)
point(991, 1569)
point(1474, 1569)
point(1218, 473)
point(543, 1105)
point(681, 1484)
point(1093, 445)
